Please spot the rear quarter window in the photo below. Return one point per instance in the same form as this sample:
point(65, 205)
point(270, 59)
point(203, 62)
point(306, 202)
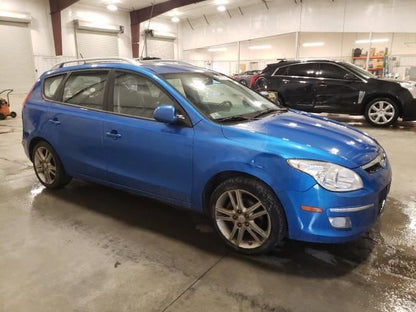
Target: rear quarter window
point(51, 86)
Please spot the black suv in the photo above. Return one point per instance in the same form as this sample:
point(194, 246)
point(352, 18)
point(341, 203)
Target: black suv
point(339, 87)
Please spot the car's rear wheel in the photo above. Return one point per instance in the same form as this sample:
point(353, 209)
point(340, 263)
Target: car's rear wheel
point(243, 82)
point(13, 114)
point(381, 112)
point(2, 116)
point(247, 215)
point(48, 167)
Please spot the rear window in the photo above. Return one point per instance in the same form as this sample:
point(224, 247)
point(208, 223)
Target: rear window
point(302, 70)
point(51, 85)
point(282, 71)
point(86, 89)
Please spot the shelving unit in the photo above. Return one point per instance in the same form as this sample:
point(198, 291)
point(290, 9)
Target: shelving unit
point(376, 63)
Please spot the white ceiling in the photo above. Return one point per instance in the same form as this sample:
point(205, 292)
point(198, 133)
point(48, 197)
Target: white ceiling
point(196, 10)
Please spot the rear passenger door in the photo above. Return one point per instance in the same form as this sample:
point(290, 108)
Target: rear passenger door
point(145, 155)
point(297, 85)
point(77, 116)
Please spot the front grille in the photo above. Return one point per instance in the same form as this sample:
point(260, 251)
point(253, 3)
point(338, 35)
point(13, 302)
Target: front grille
point(374, 168)
point(376, 164)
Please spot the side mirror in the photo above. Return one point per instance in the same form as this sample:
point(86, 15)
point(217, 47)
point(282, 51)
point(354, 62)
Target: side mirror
point(349, 76)
point(165, 113)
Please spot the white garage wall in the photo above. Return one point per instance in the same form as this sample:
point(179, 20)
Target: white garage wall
point(309, 16)
point(154, 49)
point(98, 16)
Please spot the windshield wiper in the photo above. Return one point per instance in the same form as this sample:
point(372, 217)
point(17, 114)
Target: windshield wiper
point(268, 111)
point(233, 118)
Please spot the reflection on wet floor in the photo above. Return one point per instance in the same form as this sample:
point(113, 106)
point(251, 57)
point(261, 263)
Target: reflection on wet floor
point(377, 259)
point(378, 270)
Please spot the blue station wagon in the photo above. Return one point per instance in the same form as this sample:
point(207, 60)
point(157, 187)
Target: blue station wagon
point(195, 138)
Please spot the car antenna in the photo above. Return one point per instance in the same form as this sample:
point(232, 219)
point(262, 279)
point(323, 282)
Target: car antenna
point(82, 58)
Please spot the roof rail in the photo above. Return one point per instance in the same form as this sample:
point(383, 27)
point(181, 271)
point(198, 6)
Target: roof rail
point(98, 60)
point(165, 61)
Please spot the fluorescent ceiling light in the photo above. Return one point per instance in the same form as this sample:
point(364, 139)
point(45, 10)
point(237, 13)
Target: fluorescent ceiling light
point(218, 49)
point(313, 44)
point(175, 19)
point(221, 8)
point(260, 47)
point(372, 40)
point(112, 7)
point(9, 16)
point(219, 2)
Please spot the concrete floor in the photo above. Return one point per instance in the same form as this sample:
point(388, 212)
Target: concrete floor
point(91, 248)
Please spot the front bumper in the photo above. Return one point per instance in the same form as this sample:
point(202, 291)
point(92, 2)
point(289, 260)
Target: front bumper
point(409, 110)
point(361, 208)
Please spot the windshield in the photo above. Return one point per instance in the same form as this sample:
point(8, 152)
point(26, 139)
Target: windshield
point(359, 71)
point(219, 97)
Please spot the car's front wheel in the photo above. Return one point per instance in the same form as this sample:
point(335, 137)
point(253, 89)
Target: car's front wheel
point(247, 215)
point(381, 112)
point(48, 167)
point(243, 82)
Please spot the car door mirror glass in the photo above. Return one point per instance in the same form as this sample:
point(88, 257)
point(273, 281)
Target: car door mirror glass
point(166, 114)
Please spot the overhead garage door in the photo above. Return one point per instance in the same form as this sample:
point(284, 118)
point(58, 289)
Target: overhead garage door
point(162, 48)
point(96, 44)
point(16, 57)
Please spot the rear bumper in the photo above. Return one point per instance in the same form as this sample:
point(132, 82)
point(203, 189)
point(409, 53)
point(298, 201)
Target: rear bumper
point(360, 208)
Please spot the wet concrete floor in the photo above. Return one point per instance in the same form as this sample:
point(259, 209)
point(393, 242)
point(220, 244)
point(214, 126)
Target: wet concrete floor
point(91, 248)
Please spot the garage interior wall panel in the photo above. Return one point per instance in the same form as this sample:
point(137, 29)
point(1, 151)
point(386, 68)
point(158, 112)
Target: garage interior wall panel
point(163, 48)
point(96, 44)
point(16, 56)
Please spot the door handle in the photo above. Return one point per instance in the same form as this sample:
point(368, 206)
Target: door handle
point(323, 84)
point(55, 121)
point(113, 134)
point(285, 80)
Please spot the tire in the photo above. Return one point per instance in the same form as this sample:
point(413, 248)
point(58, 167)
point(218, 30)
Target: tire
point(260, 84)
point(381, 112)
point(48, 167)
point(243, 82)
point(2, 116)
point(13, 114)
point(248, 232)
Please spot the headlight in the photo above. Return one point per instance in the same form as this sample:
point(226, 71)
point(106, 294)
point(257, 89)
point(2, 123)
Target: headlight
point(409, 85)
point(330, 176)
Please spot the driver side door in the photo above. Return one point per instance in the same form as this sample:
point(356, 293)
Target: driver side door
point(145, 155)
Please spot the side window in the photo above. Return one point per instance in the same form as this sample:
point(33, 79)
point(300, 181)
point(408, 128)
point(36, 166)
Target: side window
point(137, 96)
point(50, 86)
point(331, 71)
point(282, 71)
point(302, 70)
point(86, 89)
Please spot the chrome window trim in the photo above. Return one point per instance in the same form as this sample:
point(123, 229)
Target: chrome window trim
point(318, 63)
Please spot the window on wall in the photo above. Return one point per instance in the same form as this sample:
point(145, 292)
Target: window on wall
point(331, 71)
point(302, 70)
point(137, 96)
point(86, 89)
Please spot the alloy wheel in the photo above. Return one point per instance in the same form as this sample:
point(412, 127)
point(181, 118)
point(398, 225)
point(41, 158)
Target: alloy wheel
point(381, 112)
point(242, 219)
point(45, 165)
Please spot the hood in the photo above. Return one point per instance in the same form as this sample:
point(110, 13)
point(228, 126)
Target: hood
point(296, 134)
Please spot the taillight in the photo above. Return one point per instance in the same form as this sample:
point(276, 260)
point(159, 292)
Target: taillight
point(253, 80)
point(28, 95)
